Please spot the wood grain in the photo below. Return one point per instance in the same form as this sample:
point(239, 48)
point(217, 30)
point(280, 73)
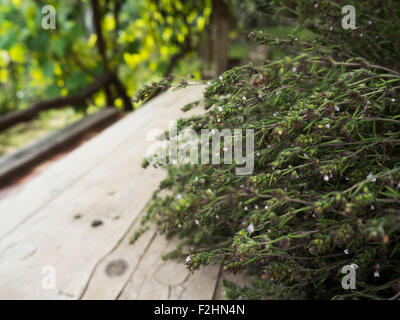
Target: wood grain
point(49, 222)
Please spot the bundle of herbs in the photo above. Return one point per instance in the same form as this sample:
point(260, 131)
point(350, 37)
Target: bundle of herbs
point(325, 189)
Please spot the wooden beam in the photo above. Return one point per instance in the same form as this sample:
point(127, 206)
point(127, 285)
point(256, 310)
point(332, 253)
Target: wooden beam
point(12, 118)
point(12, 164)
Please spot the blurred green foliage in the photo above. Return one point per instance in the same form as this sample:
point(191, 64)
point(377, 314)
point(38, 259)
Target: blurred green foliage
point(36, 64)
point(141, 37)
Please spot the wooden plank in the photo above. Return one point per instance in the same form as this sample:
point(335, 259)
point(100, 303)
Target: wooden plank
point(145, 275)
point(200, 286)
point(124, 259)
point(156, 279)
point(113, 189)
point(22, 158)
point(69, 170)
point(142, 283)
point(55, 237)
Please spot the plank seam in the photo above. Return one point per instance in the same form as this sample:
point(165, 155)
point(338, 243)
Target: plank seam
point(217, 283)
point(137, 266)
point(91, 275)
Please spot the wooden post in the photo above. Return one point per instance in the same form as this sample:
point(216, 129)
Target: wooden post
point(216, 54)
point(101, 44)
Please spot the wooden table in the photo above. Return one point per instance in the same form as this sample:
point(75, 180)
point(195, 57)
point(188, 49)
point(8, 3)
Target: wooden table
point(48, 246)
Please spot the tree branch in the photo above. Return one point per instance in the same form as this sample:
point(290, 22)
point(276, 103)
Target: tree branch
point(102, 50)
point(97, 26)
point(101, 43)
point(15, 117)
point(122, 93)
point(183, 51)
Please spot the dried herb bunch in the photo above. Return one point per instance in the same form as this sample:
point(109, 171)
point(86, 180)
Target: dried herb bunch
point(325, 191)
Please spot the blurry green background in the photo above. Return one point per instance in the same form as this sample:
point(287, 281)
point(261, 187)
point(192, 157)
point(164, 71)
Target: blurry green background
point(142, 38)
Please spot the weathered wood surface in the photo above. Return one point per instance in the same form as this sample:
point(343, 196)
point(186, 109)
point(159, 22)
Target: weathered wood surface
point(49, 221)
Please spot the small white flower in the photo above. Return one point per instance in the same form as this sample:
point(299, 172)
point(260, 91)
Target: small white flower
point(196, 179)
point(217, 216)
point(277, 93)
point(370, 176)
point(213, 131)
point(178, 196)
point(221, 78)
point(220, 109)
point(354, 266)
point(337, 108)
point(372, 207)
point(188, 258)
point(250, 228)
point(256, 207)
point(245, 208)
point(219, 120)
point(244, 98)
point(326, 178)
point(294, 69)
point(346, 251)
point(393, 100)
point(266, 207)
point(258, 154)
point(369, 22)
point(331, 28)
point(376, 274)
point(259, 96)
point(361, 34)
point(197, 222)
point(268, 146)
point(398, 185)
point(209, 83)
point(327, 126)
point(347, 178)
